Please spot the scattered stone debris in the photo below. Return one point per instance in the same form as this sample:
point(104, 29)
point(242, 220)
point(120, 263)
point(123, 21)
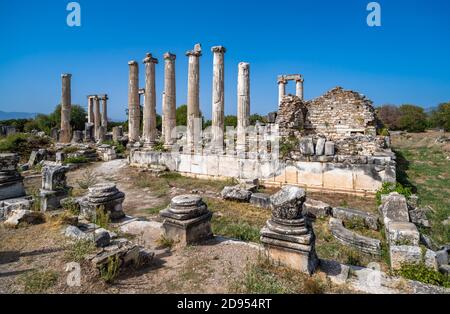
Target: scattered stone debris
point(11, 182)
point(236, 193)
point(18, 216)
point(348, 237)
point(261, 200)
point(348, 214)
point(316, 209)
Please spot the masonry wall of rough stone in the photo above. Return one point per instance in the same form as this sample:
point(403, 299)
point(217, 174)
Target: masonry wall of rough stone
point(340, 113)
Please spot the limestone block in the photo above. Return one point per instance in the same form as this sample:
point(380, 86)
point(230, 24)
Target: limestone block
point(338, 176)
point(329, 148)
point(404, 254)
point(316, 209)
point(346, 214)
point(320, 146)
point(310, 173)
point(261, 200)
point(307, 146)
point(236, 193)
point(402, 233)
point(229, 166)
point(394, 208)
point(348, 237)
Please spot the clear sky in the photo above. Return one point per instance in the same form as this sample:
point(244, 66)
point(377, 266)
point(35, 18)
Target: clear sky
point(406, 60)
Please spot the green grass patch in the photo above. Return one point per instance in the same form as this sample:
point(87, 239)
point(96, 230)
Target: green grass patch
point(422, 273)
point(77, 251)
point(235, 229)
point(75, 160)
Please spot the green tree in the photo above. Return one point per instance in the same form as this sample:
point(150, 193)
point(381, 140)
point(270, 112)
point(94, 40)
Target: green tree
point(77, 117)
point(390, 116)
point(413, 118)
point(440, 117)
point(181, 115)
point(230, 121)
point(256, 117)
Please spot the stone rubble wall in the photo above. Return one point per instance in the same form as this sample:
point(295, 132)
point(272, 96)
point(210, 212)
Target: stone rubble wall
point(340, 112)
point(344, 117)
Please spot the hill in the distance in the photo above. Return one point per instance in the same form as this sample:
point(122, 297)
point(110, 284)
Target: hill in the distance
point(16, 115)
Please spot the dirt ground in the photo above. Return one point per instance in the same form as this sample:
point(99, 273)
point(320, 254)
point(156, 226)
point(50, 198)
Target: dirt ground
point(214, 267)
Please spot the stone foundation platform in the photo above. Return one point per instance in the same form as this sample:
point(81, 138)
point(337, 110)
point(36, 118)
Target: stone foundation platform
point(340, 174)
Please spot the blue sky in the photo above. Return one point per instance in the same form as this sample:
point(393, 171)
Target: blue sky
point(406, 60)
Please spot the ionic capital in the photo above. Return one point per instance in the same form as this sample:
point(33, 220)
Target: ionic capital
point(218, 49)
point(169, 56)
point(149, 59)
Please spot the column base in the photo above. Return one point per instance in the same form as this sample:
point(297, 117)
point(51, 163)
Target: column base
point(191, 231)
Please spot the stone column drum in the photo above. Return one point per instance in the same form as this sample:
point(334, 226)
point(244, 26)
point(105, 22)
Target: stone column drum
point(66, 107)
point(287, 237)
point(103, 196)
point(243, 114)
point(134, 110)
point(149, 121)
point(11, 182)
point(91, 109)
point(281, 90)
point(97, 117)
point(169, 106)
point(218, 98)
point(193, 101)
point(299, 88)
point(187, 220)
point(117, 133)
point(105, 111)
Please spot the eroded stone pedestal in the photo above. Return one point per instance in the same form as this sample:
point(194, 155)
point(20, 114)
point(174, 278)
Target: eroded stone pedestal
point(287, 237)
point(54, 187)
point(103, 196)
point(11, 182)
point(187, 220)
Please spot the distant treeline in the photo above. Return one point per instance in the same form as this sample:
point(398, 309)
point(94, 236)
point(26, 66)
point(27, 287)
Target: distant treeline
point(413, 118)
point(78, 118)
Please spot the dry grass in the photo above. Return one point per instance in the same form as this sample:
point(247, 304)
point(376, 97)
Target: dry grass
point(263, 277)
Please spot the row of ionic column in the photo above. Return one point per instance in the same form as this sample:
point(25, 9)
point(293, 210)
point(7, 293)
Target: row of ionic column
point(98, 118)
point(194, 124)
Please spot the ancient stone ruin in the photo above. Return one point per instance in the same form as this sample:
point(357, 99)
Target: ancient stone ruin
point(287, 236)
point(11, 182)
point(103, 197)
point(326, 144)
point(187, 220)
point(54, 187)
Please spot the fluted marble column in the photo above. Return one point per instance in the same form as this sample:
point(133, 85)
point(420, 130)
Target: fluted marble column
point(134, 110)
point(243, 110)
point(193, 99)
point(281, 90)
point(218, 98)
point(66, 107)
point(149, 121)
point(105, 111)
point(169, 106)
point(90, 109)
point(299, 88)
point(97, 117)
